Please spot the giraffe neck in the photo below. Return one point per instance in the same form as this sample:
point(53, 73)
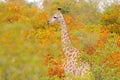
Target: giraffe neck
point(64, 34)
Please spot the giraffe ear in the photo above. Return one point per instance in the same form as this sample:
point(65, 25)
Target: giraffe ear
point(59, 9)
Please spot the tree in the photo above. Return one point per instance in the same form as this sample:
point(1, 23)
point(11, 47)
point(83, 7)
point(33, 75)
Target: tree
point(17, 1)
point(87, 11)
point(111, 18)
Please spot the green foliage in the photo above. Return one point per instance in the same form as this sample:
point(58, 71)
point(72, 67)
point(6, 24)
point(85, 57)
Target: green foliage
point(19, 53)
point(17, 1)
point(101, 70)
point(86, 12)
point(68, 8)
point(111, 18)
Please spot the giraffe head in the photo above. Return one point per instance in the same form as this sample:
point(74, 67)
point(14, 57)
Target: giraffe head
point(56, 17)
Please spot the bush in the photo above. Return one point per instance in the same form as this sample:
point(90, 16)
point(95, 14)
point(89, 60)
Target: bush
point(111, 18)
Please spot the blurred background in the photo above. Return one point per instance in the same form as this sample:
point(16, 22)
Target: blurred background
point(30, 50)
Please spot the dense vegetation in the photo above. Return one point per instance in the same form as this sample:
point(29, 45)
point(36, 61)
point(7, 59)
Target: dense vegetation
point(31, 50)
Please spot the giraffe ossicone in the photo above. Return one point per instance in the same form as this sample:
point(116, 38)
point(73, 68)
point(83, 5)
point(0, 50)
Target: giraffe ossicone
point(71, 65)
point(59, 8)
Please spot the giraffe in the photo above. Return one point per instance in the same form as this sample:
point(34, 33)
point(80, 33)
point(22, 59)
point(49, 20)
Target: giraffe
point(71, 64)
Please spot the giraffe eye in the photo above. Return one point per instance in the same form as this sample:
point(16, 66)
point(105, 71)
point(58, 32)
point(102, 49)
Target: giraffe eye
point(55, 17)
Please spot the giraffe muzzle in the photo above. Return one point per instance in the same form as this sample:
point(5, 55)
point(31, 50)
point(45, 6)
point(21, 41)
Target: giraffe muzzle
point(48, 22)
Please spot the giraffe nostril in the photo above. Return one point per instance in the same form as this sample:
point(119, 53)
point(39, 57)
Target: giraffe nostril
point(48, 22)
